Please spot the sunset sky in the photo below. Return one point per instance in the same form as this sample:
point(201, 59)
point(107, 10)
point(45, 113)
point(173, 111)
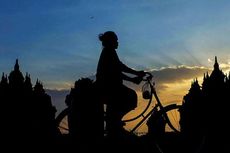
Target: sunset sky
point(57, 41)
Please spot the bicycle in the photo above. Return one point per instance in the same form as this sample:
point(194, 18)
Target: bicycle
point(169, 115)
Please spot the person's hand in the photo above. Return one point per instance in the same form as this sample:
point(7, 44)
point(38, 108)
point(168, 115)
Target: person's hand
point(137, 80)
point(141, 74)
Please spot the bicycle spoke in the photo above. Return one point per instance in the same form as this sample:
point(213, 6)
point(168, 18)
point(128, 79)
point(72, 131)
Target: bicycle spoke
point(63, 128)
point(174, 115)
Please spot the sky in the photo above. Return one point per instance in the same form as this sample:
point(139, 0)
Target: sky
point(57, 41)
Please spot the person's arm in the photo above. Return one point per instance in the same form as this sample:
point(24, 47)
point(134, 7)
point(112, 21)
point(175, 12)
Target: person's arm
point(132, 71)
point(126, 69)
point(136, 80)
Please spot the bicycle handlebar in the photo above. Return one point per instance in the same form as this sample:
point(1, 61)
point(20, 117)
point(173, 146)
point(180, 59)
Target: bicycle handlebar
point(148, 77)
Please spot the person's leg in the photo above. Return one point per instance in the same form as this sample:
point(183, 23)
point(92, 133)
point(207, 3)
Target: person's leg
point(121, 102)
point(113, 121)
point(114, 112)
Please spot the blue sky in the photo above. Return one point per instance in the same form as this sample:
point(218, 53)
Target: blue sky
point(57, 41)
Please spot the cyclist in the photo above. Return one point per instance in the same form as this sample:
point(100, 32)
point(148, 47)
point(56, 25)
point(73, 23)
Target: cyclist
point(109, 79)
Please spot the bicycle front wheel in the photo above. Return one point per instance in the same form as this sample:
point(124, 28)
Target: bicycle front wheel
point(62, 122)
point(165, 130)
point(173, 115)
point(164, 120)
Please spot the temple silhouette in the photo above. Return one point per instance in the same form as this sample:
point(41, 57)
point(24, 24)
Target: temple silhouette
point(27, 112)
point(204, 112)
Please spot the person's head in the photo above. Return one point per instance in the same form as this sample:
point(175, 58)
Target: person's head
point(109, 39)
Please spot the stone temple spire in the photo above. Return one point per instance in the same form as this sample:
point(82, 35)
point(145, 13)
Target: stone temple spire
point(216, 65)
point(16, 66)
point(16, 78)
point(217, 74)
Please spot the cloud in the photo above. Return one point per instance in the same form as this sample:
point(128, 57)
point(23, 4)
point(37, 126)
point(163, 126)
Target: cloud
point(225, 67)
point(209, 60)
point(172, 75)
point(178, 74)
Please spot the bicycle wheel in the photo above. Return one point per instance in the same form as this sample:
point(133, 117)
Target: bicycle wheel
point(173, 114)
point(170, 138)
point(62, 121)
point(166, 119)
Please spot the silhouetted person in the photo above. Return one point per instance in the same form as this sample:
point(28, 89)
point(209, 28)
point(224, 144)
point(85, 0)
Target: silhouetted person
point(109, 79)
